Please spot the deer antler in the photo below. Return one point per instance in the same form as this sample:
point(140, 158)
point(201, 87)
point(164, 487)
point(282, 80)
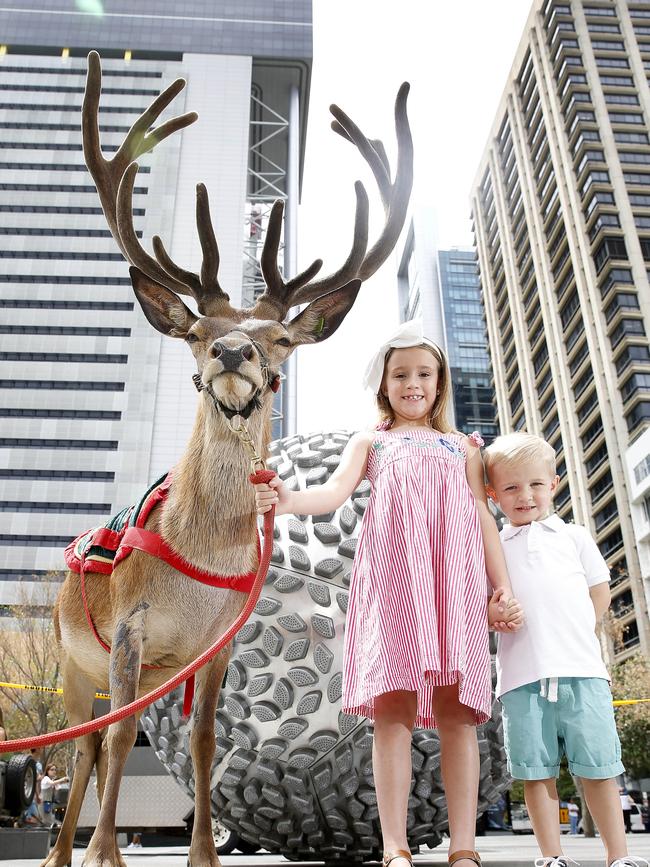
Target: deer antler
point(115, 178)
point(280, 295)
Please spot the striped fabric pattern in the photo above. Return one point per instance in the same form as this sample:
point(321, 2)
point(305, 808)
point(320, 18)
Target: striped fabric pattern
point(417, 610)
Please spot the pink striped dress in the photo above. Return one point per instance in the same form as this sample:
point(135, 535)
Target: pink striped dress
point(417, 610)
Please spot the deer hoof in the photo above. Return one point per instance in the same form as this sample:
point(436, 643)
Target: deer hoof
point(57, 859)
point(203, 856)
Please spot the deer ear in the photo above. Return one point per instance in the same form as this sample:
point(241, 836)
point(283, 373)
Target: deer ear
point(164, 310)
point(320, 319)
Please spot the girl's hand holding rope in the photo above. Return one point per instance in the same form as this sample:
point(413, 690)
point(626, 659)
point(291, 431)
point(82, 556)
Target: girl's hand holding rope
point(275, 493)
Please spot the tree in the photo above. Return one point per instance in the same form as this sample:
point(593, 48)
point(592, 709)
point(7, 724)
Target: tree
point(631, 679)
point(29, 655)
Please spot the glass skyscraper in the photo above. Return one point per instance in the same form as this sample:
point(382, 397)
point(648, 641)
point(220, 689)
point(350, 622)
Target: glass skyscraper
point(467, 350)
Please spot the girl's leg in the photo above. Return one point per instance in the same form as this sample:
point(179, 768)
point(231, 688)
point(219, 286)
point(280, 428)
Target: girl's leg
point(544, 811)
point(391, 764)
point(605, 806)
point(460, 766)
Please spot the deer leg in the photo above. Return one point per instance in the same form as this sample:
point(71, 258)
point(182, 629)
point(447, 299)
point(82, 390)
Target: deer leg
point(101, 770)
point(78, 696)
point(202, 744)
point(126, 655)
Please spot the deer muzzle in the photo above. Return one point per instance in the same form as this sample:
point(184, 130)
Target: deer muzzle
point(231, 357)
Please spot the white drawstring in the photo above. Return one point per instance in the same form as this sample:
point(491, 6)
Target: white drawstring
point(548, 688)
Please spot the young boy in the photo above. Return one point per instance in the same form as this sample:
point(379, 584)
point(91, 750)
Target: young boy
point(551, 679)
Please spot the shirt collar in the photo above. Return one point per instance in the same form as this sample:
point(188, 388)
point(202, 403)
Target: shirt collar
point(552, 523)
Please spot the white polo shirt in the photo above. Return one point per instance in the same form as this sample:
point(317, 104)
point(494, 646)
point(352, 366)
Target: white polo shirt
point(551, 565)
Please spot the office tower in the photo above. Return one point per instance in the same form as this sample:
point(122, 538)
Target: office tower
point(95, 404)
point(561, 210)
point(467, 350)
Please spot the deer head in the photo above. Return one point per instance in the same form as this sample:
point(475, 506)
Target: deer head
point(239, 351)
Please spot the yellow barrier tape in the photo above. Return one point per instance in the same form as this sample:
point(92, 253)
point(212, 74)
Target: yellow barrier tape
point(51, 689)
point(619, 702)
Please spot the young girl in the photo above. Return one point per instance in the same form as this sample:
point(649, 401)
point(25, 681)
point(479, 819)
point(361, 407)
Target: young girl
point(416, 642)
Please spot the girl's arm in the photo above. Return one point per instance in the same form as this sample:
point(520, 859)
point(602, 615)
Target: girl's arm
point(320, 499)
point(505, 613)
point(494, 560)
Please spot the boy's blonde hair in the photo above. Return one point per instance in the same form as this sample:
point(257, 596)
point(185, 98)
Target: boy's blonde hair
point(516, 448)
point(438, 419)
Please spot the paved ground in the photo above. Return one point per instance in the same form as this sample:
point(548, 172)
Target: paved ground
point(496, 849)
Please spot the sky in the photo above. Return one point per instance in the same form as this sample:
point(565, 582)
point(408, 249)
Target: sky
point(457, 56)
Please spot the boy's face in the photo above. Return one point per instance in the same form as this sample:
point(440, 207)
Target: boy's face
point(523, 492)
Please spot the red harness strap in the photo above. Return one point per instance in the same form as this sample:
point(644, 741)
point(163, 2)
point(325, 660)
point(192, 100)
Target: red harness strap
point(154, 544)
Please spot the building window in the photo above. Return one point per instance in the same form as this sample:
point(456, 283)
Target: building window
point(611, 543)
point(624, 328)
point(621, 301)
point(632, 353)
point(592, 433)
point(634, 157)
point(569, 309)
point(61, 508)
point(91, 445)
point(585, 380)
point(609, 248)
point(65, 329)
point(59, 475)
point(625, 117)
point(640, 412)
point(63, 385)
point(597, 459)
point(621, 99)
point(630, 137)
point(60, 304)
point(642, 470)
point(636, 382)
point(602, 486)
point(22, 412)
point(7, 540)
point(85, 357)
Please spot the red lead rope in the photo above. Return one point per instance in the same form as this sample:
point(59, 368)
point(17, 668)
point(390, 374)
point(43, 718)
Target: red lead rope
point(257, 478)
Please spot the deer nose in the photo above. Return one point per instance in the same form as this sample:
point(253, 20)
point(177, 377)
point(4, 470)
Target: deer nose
point(231, 356)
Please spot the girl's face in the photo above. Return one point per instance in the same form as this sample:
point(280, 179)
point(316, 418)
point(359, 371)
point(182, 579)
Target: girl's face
point(411, 384)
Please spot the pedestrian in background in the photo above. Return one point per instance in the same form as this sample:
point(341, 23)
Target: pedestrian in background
point(626, 806)
point(574, 815)
point(49, 785)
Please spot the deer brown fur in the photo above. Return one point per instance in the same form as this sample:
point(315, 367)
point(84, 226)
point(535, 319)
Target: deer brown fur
point(148, 612)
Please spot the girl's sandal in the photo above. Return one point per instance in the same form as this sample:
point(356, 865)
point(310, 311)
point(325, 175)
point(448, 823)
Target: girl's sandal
point(389, 857)
point(464, 853)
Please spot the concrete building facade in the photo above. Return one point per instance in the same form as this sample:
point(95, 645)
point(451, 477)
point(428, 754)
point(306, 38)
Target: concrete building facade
point(96, 404)
point(561, 210)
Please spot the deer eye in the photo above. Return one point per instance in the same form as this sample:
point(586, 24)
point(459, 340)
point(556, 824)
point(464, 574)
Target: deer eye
point(191, 337)
point(283, 341)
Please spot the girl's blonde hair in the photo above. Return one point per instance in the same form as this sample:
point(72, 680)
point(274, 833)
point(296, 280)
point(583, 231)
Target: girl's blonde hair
point(438, 419)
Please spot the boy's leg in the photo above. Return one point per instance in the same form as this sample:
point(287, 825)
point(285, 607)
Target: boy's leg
point(594, 753)
point(544, 810)
point(605, 805)
point(534, 751)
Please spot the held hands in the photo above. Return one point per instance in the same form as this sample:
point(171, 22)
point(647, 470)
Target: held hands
point(274, 494)
point(505, 614)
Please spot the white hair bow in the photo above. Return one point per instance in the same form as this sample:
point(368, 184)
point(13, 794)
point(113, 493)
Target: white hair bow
point(408, 334)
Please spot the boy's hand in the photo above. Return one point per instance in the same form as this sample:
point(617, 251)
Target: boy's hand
point(505, 614)
point(273, 494)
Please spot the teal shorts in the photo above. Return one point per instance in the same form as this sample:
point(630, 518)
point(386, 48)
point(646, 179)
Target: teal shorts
point(580, 724)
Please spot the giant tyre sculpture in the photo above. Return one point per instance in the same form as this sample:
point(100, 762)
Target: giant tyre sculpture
point(292, 772)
